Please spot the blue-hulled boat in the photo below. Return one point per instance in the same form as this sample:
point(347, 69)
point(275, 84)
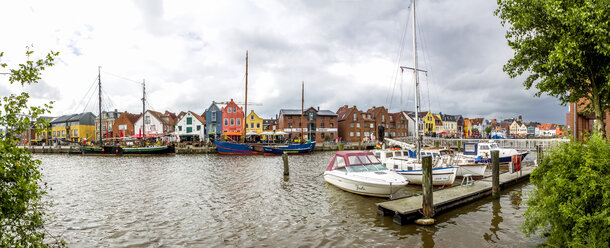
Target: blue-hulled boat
point(227, 148)
point(295, 149)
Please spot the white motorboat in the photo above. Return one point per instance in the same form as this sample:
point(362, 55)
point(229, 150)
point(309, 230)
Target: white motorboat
point(409, 167)
point(360, 172)
point(465, 164)
point(482, 151)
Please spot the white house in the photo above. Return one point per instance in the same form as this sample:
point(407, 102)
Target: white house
point(190, 127)
point(155, 124)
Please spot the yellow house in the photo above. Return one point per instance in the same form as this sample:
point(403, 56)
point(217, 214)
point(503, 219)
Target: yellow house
point(254, 123)
point(429, 122)
point(75, 127)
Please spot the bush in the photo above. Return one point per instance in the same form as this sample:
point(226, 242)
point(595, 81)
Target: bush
point(570, 204)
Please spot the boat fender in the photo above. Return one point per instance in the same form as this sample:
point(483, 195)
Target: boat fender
point(102, 149)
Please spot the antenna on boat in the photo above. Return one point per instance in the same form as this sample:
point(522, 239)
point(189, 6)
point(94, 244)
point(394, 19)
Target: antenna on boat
point(302, 103)
point(243, 134)
point(99, 79)
point(143, 105)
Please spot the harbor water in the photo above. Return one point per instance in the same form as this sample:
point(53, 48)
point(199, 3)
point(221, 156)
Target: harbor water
point(245, 201)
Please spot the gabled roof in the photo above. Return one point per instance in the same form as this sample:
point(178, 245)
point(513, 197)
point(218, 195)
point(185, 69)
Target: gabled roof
point(198, 117)
point(343, 112)
point(476, 121)
point(131, 117)
point(73, 117)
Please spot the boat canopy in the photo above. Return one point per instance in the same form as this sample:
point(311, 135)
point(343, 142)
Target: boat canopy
point(356, 161)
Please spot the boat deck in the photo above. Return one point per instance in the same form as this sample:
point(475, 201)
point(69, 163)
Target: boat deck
point(407, 210)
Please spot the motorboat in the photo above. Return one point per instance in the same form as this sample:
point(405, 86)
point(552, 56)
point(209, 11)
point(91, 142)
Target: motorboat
point(482, 150)
point(405, 163)
point(360, 172)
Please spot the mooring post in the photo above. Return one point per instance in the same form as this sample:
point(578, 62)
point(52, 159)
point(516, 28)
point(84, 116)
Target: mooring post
point(460, 145)
point(538, 154)
point(427, 202)
point(286, 167)
point(495, 174)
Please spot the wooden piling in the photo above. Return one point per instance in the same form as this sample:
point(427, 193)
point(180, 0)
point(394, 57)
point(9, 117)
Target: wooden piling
point(427, 202)
point(459, 145)
point(495, 174)
point(286, 167)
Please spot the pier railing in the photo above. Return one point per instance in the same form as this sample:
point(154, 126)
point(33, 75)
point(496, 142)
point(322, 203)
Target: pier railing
point(518, 144)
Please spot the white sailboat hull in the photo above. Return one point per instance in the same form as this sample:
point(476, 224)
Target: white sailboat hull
point(361, 183)
point(440, 176)
point(472, 169)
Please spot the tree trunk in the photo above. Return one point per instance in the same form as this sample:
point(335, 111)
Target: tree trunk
point(597, 110)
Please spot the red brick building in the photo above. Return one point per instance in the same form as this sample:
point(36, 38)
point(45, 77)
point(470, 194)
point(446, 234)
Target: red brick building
point(318, 125)
point(584, 123)
point(124, 125)
point(232, 118)
point(356, 125)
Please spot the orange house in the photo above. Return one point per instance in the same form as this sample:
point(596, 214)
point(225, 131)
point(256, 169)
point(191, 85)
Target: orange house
point(232, 120)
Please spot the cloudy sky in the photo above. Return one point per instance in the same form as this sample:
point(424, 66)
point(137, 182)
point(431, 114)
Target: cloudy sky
point(193, 52)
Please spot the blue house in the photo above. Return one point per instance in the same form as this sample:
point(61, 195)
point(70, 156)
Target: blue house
point(213, 119)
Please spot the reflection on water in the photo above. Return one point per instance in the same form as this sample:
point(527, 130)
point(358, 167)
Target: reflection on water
point(211, 200)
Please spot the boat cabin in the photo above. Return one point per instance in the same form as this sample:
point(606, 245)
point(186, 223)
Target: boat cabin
point(355, 161)
point(480, 149)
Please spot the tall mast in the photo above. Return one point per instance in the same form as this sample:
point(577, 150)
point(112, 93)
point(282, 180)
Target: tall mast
point(143, 105)
point(302, 102)
point(243, 134)
point(416, 78)
point(99, 87)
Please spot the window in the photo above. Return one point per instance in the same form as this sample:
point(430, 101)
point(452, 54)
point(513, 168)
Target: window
point(226, 121)
point(371, 125)
point(232, 121)
point(213, 115)
point(147, 120)
point(251, 125)
point(179, 128)
point(351, 124)
point(322, 135)
point(383, 118)
point(258, 125)
point(332, 125)
point(252, 117)
point(234, 109)
point(355, 117)
point(358, 134)
point(351, 134)
point(339, 162)
point(198, 127)
point(75, 132)
point(358, 124)
point(63, 133)
point(239, 121)
point(189, 120)
point(322, 125)
point(229, 110)
point(310, 116)
point(363, 116)
point(189, 129)
point(289, 125)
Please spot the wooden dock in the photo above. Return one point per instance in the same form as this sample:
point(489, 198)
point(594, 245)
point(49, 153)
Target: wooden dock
point(407, 210)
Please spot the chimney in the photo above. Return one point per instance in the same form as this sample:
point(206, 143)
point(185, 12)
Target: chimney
point(318, 108)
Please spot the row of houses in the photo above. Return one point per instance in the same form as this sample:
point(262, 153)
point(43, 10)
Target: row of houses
point(226, 121)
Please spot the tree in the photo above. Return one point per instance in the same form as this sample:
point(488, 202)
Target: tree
point(570, 204)
point(487, 130)
point(563, 47)
point(21, 190)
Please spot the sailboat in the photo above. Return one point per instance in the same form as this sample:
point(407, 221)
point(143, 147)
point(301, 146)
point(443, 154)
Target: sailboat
point(229, 148)
point(412, 168)
point(118, 150)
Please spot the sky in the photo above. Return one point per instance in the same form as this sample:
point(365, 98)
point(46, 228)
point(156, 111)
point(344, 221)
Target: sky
point(347, 52)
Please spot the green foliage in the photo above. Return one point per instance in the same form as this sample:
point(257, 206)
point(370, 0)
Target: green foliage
point(563, 46)
point(21, 190)
point(570, 204)
point(487, 130)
